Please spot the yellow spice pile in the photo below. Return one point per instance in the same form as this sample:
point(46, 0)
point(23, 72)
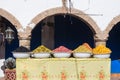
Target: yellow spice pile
point(83, 48)
point(41, 49)
point(101, 49)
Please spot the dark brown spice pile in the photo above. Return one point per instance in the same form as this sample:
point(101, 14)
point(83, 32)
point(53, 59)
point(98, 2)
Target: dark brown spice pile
point(22, 49)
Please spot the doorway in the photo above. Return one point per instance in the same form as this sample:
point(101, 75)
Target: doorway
point(69, 31)
point(7, 48)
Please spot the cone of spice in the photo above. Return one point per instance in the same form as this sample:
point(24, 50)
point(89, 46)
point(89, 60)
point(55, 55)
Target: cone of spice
point(101, 49)
point(83, 48)
point(22, 49)
point(62, 49)
point(41, 49)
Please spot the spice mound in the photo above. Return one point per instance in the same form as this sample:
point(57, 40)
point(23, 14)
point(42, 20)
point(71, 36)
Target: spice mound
point(83, 48)
point(41, 49)
point(22, 49)
point(101, 49)
point(62, 49)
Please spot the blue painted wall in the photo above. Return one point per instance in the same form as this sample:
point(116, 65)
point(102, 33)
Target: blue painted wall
point(115, 66)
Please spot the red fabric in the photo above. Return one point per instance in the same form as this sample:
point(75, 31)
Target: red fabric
point(10, 74)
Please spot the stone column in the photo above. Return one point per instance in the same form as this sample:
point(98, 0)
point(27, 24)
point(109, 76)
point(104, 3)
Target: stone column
point(24, 38)
point(24, 41)
point(100, 41)
point(100, 38)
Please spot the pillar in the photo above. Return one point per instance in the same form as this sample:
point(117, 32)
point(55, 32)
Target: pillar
point(100, 38)
point(24, 38)
point(24, 41)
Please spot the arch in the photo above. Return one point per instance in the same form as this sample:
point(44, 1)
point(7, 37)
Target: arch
point(62, 10)
point(10, 18)
point(113, 22)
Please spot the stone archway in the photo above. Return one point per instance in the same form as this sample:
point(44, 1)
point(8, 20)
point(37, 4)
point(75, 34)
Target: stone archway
point(114, 21)
point(10, 18)
point(62, 10)
point(14, 24)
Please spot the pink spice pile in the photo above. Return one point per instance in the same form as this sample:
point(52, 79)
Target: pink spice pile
point(62, 49)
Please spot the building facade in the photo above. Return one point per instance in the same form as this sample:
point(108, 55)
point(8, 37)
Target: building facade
point(25, 16)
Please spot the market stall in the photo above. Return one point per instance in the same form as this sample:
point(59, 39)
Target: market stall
point(63, 69)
